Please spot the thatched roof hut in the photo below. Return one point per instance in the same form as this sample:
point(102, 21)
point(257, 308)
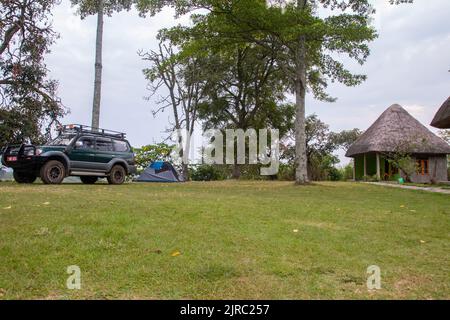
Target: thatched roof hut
point(394, 128)
point(394, 132)
point(442, 118)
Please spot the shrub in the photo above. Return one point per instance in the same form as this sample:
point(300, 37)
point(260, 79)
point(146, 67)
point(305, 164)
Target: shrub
point(347, 172)
point(206, 172)
point(334, 174)
point(286, 172)
point(251, 172)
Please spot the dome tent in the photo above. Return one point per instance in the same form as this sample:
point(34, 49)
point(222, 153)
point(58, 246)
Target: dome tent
point(160, 171)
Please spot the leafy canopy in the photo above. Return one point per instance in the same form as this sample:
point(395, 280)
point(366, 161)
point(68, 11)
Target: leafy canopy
point(345, 30)
point(28, 100)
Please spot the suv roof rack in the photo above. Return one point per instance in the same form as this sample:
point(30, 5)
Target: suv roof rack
point(78, 128)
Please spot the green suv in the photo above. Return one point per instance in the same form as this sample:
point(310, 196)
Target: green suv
point(81, 151)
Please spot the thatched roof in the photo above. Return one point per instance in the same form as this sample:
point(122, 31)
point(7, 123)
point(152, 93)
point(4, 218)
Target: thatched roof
point(442, 117)
point(396, 130)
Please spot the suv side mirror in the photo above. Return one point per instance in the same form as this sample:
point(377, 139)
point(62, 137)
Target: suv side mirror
point(78, 144)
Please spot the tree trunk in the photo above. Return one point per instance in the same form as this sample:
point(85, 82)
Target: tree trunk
point(98, 68)
point(185, 158)
point(301, 171)
point(185, 171)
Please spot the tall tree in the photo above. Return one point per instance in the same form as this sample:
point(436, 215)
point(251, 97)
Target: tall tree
point(28, 100)
point(98, 68)
point(305, 40)
point(181, 83)
point(244, 90)
point(100, 8)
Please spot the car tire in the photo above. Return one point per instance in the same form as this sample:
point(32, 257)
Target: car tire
point(53, 172)
point(23, 177)
point(117, 175)
point(88, 179)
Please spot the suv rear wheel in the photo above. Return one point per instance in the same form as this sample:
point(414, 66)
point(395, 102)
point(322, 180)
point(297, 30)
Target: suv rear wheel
point(53, 172)
point(88, 179)
point(117, 175)
point(23, 177)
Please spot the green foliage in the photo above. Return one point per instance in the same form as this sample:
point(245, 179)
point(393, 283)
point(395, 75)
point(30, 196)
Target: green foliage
point(150, 7)
point(405, 163)
point(347, 172)
point(91, 7)
point(28, 101)
point(322, 166)
point(401, 158)
point(152, 152)
point(346, 138)
point(278, 32)
point(286, 172)
point(334, 174)
point(371, 178)
point(206, 172)
point(244, 89)
point(321, 143)
point(258, 52)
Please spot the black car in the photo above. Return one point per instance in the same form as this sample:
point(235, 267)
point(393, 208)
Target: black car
point(82, 151)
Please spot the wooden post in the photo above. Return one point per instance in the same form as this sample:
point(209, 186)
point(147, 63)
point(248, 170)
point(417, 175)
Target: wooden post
point(354, 169)
point(378, 167)
point(365, 166)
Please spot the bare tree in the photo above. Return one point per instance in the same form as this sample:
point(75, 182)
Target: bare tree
point(180, 76)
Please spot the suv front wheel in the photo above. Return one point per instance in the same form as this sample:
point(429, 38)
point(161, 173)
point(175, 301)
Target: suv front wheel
point(117, 175)
point(22, 177)
point(53, 172)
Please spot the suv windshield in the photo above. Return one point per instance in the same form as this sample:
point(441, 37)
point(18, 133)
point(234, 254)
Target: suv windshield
point(62, 140)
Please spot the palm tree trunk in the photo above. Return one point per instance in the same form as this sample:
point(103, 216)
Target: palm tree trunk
point(98, 68)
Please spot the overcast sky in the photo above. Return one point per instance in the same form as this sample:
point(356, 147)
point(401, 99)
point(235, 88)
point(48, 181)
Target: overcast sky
point(409, 65)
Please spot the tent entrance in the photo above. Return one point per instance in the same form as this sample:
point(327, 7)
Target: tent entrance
point(160, 171)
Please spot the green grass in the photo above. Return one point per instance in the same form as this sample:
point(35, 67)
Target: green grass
point(236, 240)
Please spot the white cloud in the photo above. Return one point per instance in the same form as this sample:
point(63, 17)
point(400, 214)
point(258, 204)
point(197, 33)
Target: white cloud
point(415, 110)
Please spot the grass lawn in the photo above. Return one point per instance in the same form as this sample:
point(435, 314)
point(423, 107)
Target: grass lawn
point(218, 240)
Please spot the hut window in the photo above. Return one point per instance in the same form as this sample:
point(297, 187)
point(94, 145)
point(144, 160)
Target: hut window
point(422, 166)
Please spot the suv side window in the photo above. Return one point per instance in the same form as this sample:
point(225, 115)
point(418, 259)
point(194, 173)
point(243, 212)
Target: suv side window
point(103, 144)
point(86, 143)
point(120, 146)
